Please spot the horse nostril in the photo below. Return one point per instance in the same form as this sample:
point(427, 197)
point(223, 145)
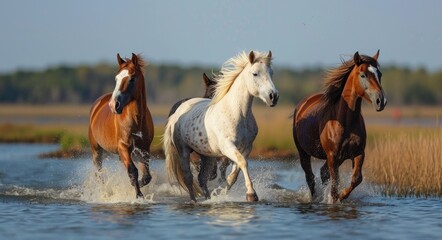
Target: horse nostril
point(271, 96)
point(378, 101)
point(117, 105)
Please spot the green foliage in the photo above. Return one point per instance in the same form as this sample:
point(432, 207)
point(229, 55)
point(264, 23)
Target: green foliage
point(169, 83)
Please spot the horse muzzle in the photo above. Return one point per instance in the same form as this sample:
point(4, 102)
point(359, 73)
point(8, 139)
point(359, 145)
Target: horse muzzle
point(115, 106)
point(380, 103)
point(274, 97)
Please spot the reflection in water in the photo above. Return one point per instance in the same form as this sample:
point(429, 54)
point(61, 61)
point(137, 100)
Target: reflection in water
point(226, 214)
point(119, 213)
point(334, 212)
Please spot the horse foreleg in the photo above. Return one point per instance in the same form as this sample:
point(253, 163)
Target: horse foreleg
point(239, 159)
point(131, 168)
point(146, 177)
point(325, 175)
point(356, 178)
point(333, 168)
point(207, 165)
point(97, 159)
point(233, 176)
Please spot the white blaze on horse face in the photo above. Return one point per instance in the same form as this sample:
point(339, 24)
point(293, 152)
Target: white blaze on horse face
point(375, 72)
point(373, 93)
point(119, 79)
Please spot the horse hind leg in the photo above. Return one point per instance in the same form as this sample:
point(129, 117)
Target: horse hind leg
point(224, 163)
point(356, 176)
point(187, 173)
point(306, 165)
point(144, 160)
point(207, 165)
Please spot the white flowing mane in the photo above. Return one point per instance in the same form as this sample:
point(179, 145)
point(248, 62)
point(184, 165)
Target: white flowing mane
point(231, 69)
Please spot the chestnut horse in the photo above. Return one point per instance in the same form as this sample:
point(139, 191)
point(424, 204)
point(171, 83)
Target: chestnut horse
point(330, 126)
point(121, 123)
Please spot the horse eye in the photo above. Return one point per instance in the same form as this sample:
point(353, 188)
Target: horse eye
point(255, 74)
point(362, 75)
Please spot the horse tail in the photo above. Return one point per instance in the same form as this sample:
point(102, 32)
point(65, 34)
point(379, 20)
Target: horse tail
point(173, 164)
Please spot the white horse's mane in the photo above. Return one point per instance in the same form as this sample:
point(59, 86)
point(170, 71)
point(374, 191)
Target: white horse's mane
point(231, 69)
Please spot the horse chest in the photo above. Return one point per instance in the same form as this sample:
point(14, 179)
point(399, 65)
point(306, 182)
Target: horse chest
point(340, 142)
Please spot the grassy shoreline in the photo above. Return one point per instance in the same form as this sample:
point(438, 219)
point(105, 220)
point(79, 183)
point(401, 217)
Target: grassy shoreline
point(405, 160)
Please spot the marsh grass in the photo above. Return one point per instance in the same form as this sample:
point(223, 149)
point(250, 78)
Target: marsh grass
point(404, 161)
point(408, 163)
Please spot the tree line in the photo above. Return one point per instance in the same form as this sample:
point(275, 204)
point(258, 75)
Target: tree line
point(168, 83)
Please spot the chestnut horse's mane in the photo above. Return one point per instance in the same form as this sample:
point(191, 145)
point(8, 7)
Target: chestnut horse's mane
point(141, 62)
point(336, 78)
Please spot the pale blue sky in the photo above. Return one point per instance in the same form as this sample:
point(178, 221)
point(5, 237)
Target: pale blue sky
point(38, 34)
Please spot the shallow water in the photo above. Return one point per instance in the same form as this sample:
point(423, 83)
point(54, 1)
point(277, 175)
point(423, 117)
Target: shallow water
point(53, 199)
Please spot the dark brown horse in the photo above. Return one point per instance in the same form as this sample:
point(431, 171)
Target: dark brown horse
point(121, 123)
point(330, 126)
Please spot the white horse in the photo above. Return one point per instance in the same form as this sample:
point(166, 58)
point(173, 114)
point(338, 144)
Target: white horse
point(222, 126)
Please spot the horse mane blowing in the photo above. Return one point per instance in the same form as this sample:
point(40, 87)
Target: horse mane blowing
point(230, 71)
point(335, 79)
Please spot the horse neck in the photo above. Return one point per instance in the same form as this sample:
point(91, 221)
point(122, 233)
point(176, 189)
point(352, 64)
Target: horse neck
point(349, 105)
point(238, 99)
point(142, 101)
point(139, 105)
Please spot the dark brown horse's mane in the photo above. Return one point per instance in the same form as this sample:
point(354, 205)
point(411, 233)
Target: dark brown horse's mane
point(336, 78)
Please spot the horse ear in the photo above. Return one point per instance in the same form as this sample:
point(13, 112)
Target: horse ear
point(208, 81)
point(357, 59)
point(119, 59)
point(269, 55)
point(376, 55)
point(252, 57)
point(134, 59)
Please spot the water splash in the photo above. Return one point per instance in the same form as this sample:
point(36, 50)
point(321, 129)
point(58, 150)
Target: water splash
point(273, 184)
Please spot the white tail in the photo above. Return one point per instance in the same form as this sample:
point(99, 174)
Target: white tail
point(173, 164)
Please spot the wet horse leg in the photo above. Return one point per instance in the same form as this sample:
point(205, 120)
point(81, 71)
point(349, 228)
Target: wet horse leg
point(356, 176)
point(306, 165)
point(239, 159)
point(325, 176)
point(233, 176)
point(185, 166)
point(131, 168)
point(146, 177)
point(224, 163)
point(97, 158)
point(207, 165)
point(213, 169)
point(333, 167)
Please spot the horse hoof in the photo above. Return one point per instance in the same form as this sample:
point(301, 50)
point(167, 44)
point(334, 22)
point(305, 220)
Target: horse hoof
point(145, 180)
point(252, 197)
point(140, 195)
